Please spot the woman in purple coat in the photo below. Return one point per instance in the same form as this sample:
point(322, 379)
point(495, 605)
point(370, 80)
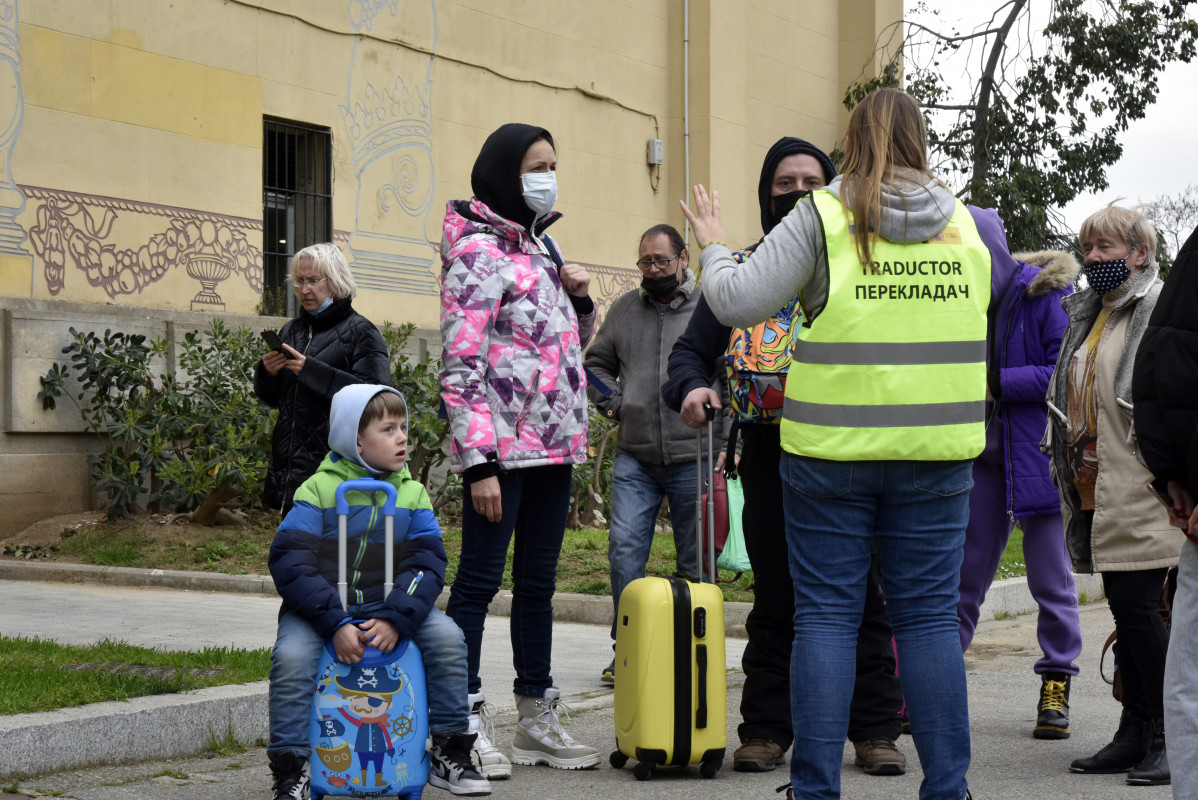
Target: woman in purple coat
point(1011, 482)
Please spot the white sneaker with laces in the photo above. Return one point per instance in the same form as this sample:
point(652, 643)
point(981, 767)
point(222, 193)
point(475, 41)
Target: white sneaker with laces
point(489, 759)
point(541, 739)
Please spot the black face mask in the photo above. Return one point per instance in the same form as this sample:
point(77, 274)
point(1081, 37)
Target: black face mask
point(783, 204)
point(660, 288)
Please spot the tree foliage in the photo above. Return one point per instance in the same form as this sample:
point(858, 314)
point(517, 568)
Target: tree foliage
point(1175, 218)
point(1022, 117)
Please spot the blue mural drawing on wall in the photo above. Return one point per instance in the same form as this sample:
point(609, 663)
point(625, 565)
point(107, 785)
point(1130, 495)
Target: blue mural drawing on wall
point(12, 201)
point(389, 132)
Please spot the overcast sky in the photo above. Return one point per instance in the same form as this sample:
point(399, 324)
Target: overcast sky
point(1160, 152)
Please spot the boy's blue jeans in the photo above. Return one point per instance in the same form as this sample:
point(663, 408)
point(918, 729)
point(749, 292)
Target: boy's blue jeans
point(296, 657)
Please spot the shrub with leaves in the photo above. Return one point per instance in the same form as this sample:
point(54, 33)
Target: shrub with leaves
point(590, 489)
point(428, 431)
point(195, 442)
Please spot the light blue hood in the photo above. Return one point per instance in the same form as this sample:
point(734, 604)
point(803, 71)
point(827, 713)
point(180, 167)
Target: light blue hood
point(344, 416)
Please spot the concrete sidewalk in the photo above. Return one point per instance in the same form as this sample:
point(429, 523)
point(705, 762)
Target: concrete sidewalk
point(177, 611)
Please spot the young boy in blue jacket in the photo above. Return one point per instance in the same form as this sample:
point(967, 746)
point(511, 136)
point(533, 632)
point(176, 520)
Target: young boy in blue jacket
point(367, 438)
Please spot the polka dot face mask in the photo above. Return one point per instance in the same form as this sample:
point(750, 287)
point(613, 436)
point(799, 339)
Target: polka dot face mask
point(1106, 276)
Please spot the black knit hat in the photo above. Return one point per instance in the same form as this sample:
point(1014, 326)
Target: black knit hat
point(495, 178)
point(786, 146)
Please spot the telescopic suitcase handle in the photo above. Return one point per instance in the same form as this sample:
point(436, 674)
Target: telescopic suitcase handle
point(365, 485)
point(709, 412)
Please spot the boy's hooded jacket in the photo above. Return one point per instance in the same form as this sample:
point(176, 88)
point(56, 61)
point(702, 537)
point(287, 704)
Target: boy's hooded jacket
point(511, 375)
point(303, 557)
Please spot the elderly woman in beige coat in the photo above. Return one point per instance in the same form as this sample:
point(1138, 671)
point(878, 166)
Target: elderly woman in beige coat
point(1112, 524)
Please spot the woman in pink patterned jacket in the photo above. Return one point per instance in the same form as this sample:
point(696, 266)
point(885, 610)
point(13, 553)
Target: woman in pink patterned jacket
point(514, 320)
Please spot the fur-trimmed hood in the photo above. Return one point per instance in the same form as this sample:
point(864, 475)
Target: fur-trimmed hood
point(1058, 269)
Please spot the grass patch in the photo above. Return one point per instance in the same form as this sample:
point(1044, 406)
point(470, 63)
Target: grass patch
point(1011, 565)
point(38, 675)
point(582, 567)
point(147, 542)
point(171, 773)
point(225, 745)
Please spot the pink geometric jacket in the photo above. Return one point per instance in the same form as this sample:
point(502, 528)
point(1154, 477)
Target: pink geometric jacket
point(511, 367)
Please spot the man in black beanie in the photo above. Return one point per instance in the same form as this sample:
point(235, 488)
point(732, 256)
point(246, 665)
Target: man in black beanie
point(757, 360)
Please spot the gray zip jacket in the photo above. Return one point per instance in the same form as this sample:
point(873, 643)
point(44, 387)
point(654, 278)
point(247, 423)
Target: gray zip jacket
point(627, 368)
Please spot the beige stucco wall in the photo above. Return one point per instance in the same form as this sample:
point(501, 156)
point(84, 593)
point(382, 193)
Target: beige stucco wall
point(131, 137)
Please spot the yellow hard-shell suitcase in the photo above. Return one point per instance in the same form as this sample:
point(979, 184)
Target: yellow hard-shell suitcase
point(671, 691)
point(671, 687)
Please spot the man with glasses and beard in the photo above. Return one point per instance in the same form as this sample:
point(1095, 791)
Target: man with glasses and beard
point(655, 450)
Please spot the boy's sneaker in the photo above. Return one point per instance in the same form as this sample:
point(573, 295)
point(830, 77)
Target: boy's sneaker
point(290, 776)
point(489, 760)
point(541, 739)
point(450, 766)
point(609, 673)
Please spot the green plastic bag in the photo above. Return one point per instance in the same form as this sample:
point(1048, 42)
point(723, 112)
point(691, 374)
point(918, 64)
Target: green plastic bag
point(734, 557)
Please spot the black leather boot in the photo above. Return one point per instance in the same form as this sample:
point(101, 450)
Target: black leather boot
point(1154, 769)
point(1126, 750)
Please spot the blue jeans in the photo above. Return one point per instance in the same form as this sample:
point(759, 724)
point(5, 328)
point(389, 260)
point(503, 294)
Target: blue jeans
point(296, 656)
point(637, 488)
point(536, 504)
point(918, 512)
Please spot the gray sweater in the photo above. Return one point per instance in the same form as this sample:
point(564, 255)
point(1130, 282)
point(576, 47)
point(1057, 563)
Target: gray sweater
point(628, 358)
point(792, 259)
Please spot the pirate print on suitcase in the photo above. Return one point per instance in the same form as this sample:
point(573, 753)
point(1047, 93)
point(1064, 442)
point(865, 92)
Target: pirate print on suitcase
point(370, 719)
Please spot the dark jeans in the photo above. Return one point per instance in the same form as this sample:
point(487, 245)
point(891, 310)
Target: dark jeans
point(536, 504)
point(1135, 599)
point(765, 700)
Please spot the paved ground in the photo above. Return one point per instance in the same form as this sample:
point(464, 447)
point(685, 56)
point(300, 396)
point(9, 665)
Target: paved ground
point(1007, 762)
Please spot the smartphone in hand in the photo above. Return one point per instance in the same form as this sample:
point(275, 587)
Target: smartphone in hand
point(274, 342)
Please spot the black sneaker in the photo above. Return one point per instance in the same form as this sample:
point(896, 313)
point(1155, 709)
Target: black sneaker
point(450, 766)
point(609, 673)
point(1052, 720)
point(291, 776)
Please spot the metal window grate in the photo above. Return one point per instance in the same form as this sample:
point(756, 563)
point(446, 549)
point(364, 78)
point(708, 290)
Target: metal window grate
point(297, 197)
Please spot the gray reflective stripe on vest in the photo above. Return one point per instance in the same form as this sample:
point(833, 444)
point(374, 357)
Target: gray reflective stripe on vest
point(900, 416)
point(866, 353)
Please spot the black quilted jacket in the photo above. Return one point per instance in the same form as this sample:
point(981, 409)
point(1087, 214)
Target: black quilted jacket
point(342, 347)
point(1164, 383)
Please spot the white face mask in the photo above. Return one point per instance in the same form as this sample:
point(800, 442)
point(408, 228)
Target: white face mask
point(540, 191)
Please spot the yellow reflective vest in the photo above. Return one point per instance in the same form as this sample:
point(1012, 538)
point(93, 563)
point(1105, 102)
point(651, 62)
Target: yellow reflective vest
point(894, 366)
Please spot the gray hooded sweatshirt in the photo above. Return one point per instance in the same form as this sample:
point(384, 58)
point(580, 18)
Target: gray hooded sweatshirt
point(793, 259)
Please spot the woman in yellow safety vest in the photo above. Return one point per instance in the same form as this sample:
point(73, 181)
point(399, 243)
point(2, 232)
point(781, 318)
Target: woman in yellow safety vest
point(885, 408)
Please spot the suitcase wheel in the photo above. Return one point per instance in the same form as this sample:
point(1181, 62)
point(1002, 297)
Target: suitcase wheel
point(617, 759)
point(708, 768)
point(643, 770)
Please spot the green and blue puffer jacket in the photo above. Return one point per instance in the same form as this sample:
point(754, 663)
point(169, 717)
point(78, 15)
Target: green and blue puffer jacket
point(303, 557)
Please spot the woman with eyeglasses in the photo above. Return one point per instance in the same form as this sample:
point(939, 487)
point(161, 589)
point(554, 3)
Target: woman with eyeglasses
point(326, 347)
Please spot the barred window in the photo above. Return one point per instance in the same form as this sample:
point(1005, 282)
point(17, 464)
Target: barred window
point(297, 201)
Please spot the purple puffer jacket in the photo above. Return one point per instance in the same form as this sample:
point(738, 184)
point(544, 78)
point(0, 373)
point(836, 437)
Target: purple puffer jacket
point(1028, 329)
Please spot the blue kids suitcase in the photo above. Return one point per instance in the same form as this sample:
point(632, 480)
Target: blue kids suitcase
point(370, 719)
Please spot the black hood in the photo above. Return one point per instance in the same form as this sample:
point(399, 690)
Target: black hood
point(786, 146)
point(495, 178)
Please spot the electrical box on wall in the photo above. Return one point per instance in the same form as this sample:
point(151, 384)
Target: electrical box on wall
point(655, 151)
